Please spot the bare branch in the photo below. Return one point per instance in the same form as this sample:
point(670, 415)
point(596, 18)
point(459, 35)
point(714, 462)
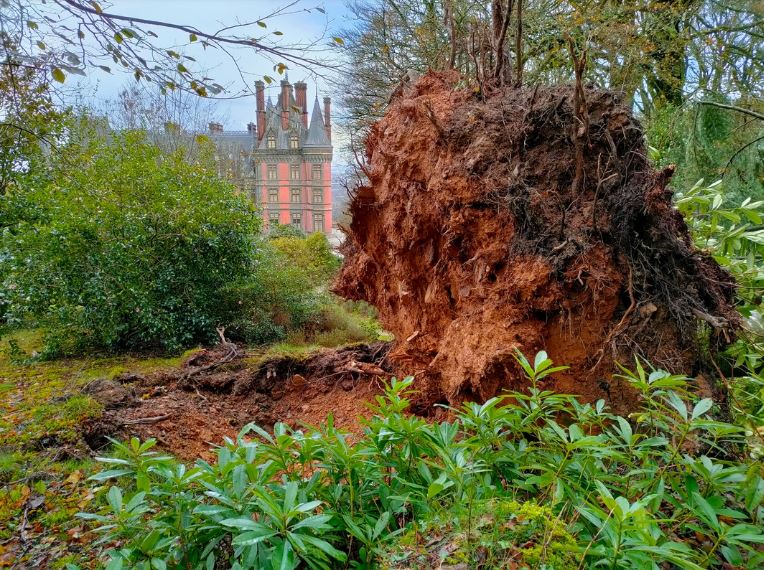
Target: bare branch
point(733, 108)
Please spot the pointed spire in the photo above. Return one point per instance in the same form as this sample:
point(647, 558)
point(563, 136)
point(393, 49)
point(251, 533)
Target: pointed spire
point(316, 131)
point(316, 116)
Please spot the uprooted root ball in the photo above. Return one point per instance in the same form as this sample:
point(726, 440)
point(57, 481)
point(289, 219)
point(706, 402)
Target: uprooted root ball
point(496, 223)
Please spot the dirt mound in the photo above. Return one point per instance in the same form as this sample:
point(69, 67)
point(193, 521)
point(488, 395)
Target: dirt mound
point(500, 222)
point(109, 393)
point(215, 393)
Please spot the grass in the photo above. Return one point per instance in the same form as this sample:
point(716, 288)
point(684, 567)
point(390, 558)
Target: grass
point(338, 324)
point(41, 400)
point(43, 462)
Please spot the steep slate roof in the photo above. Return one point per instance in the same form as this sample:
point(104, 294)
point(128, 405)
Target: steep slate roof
point(242, 138)
point(314, 137)
point(317, 136)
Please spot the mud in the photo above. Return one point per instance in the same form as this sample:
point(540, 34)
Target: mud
point(494, 222)
point(188, 413)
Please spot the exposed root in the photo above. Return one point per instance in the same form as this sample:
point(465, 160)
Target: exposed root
point(229, 353)
point(528, 219)
point(622, 324)
point(153, 420)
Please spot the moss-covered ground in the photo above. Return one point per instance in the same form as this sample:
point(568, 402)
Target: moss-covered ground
point(44, 464)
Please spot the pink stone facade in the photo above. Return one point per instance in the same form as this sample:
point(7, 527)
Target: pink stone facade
point(283, 160)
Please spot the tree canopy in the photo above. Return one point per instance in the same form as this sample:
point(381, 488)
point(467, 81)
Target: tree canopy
point(664, 58)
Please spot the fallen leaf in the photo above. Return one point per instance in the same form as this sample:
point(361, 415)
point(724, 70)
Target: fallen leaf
point(74, 478)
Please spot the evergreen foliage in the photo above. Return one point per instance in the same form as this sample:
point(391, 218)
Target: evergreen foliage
point(668, 485)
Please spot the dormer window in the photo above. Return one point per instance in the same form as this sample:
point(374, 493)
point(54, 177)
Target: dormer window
point(294, 142)
point(270, 141)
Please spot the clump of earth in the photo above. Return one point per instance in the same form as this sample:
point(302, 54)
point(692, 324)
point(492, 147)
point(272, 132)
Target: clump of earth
point(505, 220)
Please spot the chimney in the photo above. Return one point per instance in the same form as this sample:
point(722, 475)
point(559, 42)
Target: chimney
point(286, 92)
point(328, 116)
point(301, 96)
point(252, 128)
point(260, 98)
point(216, 128)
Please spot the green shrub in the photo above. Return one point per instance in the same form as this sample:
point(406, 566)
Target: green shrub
point(337, 323)
point(705, 141)
point(132, 248)
point(342, 323)
point(667, 487)
point(285, 230)
point(733, 234)
point(279, 297)
point(312, 254)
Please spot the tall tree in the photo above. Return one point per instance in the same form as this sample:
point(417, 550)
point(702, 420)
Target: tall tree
point(655, 52)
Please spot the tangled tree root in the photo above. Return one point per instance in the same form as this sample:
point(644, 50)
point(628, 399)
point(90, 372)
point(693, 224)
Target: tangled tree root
point(484, 228)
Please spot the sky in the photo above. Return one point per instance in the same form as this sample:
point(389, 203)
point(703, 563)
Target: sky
point(306, 25)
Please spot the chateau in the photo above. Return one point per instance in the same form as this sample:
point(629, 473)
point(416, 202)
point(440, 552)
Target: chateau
point(283, 160)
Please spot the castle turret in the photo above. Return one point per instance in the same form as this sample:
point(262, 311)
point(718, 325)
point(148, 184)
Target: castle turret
point(317, 134)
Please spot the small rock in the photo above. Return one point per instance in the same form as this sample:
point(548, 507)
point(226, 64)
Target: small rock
point(347, 385)
point(35, 502)
point(298, 381)
point(48, 441)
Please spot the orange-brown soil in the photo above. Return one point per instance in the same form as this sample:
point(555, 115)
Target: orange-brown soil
point(192, 408)
point(474, 237)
